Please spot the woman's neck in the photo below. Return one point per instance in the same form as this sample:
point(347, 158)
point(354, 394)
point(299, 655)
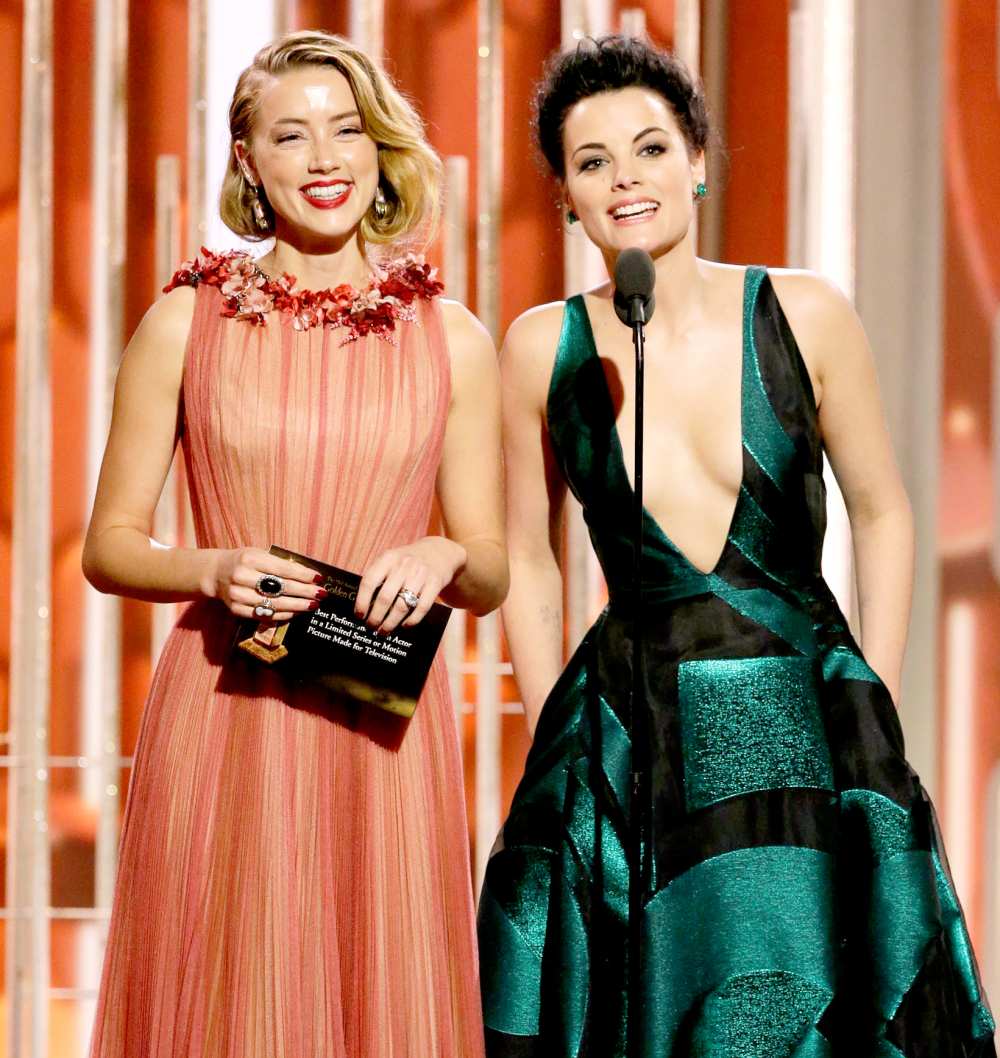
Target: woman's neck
point(319, 268)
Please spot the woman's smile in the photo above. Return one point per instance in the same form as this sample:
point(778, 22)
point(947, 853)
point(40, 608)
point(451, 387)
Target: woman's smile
point(327, 194)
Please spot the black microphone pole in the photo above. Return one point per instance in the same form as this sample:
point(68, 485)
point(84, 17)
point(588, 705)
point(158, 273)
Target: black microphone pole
point(634, 302)
point(637, 725)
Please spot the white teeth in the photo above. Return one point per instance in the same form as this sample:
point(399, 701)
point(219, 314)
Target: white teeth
point(633, 210)
point(333, 191)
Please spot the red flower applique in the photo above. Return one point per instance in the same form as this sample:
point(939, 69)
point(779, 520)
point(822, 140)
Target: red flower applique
point(249, 294)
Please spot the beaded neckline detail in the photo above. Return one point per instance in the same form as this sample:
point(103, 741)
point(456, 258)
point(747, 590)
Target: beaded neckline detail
point(249, 294)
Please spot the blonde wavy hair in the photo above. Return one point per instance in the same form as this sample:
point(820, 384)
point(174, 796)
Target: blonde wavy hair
point(409, 168)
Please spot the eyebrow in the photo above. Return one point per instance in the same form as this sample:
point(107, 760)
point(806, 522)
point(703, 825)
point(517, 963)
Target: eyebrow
point(302, 121)
point(601, 147)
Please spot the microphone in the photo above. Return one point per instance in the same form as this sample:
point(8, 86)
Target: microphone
point(635, 278)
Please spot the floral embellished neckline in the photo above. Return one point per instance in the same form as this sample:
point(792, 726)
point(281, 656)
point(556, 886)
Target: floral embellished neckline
point(249, 294)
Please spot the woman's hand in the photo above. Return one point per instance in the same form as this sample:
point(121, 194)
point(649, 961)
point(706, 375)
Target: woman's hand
point(234, 576)
point(424, 568)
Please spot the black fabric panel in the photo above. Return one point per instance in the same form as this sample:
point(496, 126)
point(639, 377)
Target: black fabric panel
point(798, 518)
point(863, 729)
point(502, 1045)
point(703, 627)
point(799, 817)
point(786, 379)
point(924, 1023)
point(740, 572)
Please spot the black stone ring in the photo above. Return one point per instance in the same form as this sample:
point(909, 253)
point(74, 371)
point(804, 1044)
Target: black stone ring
point(270, 586)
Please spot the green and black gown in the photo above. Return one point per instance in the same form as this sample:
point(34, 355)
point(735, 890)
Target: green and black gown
point(799, 903)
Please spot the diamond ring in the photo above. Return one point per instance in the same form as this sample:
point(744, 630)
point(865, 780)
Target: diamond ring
point(270, 585)
point(263, 611)
point(410, 598)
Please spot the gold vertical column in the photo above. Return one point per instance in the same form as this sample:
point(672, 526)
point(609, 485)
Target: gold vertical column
point(366, 26)
point(456, 277)
point(583, 268)
point(489, 120)
point(102, 613)
point(899, 281)
point(196, 227)
point(715, 53)
point(632, 22)
point(284, 16)
point(687, 33)
point(197, 130)
point(821, 208)
point(166, 521)
point(583, 265)
point(28, 878)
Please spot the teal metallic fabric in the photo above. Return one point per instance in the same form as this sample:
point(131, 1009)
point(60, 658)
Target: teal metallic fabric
point(799, 903)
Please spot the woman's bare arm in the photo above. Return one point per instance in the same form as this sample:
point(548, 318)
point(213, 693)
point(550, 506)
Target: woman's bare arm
point(533, 612)
point(119, 554)
point(470, 480)
point(467, 566)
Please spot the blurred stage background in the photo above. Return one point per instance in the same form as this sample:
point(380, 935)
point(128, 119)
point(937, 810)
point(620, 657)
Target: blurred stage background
point(862, 139)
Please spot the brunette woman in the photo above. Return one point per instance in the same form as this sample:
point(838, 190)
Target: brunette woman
point(795, 895)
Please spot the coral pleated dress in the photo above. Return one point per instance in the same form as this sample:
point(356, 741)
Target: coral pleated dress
point(798, 902)
point(294, 874)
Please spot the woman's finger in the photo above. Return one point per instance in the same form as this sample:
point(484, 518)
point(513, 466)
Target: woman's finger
point(373, 577)
point(427, 596)
point(289, 570)
point(416, 582)
point(385, 597)
point(250, 576)
point(282, 603)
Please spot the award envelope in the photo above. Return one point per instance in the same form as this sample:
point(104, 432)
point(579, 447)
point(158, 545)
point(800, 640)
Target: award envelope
point(332, 647)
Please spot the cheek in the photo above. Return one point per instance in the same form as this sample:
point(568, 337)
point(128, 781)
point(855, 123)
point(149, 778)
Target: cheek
point(586, 192)
point(363, 160)
point(279, 167)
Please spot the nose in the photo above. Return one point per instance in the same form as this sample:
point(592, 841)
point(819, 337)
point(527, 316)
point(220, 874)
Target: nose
point(624, 177)
point(324, 157)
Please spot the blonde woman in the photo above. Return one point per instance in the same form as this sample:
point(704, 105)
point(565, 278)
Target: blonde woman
point(294, 872)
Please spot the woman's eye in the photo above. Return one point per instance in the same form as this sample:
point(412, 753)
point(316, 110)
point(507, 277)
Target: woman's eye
point(590, 163)
point(349, 130)
point(288, 137)
point(653, 148)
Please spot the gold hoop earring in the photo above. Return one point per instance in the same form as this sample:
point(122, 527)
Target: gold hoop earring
point(380, 206)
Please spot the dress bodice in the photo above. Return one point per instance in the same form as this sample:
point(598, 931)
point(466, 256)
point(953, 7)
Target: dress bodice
point(294, 437)
point(777, 526)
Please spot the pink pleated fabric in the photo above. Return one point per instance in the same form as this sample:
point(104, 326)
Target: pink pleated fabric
point(294, 875)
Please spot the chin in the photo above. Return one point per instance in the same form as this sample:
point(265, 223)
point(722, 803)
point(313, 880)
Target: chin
point(651, 238)
point(332, 232)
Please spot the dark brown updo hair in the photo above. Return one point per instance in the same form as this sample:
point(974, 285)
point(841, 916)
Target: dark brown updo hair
point(606, 64)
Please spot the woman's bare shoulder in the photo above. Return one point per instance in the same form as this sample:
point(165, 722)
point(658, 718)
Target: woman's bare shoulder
point(156, 351)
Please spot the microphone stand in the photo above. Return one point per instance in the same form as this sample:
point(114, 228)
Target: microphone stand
point(638, 734)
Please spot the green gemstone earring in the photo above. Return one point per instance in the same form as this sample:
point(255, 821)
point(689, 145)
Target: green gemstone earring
point(701, 190)
point(571, 217)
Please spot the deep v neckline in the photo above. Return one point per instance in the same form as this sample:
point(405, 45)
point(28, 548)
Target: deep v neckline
point(618, 453)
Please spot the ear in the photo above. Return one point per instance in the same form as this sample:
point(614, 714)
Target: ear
point(698, 168)
point(567, 199)
point(246, 162)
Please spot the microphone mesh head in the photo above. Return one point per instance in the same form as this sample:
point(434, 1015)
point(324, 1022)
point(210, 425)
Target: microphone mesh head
point(635, 275)
point(635, 278)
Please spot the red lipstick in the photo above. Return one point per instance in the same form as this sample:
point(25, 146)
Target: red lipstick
point(326, 203)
